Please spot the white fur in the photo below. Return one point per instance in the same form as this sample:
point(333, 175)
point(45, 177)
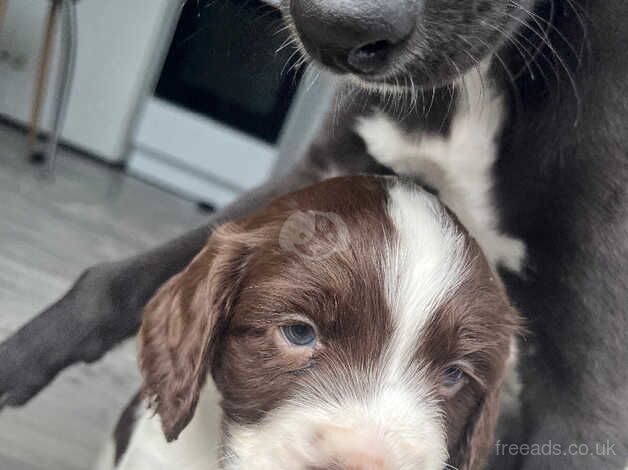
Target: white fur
point(105, 460)
point(423, 267)
point(459, 166)
point(510, 393)
point(391, 423)
point(196, 448)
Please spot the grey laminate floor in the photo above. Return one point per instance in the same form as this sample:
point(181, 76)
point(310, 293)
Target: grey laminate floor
point(49, 232)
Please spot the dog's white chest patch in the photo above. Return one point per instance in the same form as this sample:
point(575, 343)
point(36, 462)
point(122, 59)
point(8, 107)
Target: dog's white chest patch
point(459, 165)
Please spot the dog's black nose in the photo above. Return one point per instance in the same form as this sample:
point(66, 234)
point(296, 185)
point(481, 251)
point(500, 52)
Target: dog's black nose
point(359, 36)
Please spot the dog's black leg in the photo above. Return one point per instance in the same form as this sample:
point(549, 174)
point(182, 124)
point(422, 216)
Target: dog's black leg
point(101, 309)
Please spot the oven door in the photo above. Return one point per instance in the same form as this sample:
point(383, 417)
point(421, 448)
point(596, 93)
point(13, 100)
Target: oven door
point(229, 93)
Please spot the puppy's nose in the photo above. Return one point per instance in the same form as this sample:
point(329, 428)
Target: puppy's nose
point(358, 36)
point(350, 449)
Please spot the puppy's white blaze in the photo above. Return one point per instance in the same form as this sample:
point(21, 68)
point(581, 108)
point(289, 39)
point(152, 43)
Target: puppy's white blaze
point(459, 166)
point(392, 424)
point(423, 268)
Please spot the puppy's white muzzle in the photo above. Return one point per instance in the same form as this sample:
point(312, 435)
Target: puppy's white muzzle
point(378, 433)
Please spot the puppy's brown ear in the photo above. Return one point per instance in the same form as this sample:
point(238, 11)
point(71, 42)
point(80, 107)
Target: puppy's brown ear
point(474, 446)
point(179, 326)
point(479, 435)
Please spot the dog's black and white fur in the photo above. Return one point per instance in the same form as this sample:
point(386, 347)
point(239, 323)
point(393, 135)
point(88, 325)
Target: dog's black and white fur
point(555, 147)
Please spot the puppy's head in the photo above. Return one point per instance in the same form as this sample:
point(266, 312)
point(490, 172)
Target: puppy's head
point(352, 325)
point(405, 42)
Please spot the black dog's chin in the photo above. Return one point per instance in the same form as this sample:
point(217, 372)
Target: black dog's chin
point(404, 73)
point(410, 80)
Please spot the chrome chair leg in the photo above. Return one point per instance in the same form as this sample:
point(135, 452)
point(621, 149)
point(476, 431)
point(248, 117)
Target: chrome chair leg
point(3, 11)
point(41, 79)
point(67, 62)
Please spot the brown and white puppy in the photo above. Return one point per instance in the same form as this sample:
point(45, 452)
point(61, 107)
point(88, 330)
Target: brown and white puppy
point(352, 325)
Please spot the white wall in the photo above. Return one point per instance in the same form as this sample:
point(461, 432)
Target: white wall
point(120, 45)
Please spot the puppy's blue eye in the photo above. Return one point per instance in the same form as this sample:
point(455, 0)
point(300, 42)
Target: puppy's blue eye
point(452, 376)
point(299, 334)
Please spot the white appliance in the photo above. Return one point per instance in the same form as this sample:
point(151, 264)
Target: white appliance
point(228, 111)
point(119, 44)
point(206, 161)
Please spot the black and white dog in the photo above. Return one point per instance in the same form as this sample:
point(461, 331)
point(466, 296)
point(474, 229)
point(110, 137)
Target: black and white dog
point(544, 83)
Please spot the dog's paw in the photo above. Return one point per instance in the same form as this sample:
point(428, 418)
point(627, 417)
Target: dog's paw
point(23, 370)
point(81, 326)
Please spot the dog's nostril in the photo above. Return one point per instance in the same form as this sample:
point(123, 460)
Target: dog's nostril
point(370, 57)
point(375, 47)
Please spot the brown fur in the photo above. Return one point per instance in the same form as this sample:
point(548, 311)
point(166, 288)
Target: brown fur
point(475, 328)
point(242, 271)
point(180, 324)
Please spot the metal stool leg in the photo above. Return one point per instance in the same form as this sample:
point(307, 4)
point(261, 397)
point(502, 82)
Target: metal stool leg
point(67, 62)
point(3, 11)
point(41, 77)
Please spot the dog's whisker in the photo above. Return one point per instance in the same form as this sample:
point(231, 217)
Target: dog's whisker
point(583, 20)
point(562, 63)
point(288, 66)
point(288, 42)
point(550, 27)
point(522, 51)
point(314, 72)
point(511, 77)
point(518, 37)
